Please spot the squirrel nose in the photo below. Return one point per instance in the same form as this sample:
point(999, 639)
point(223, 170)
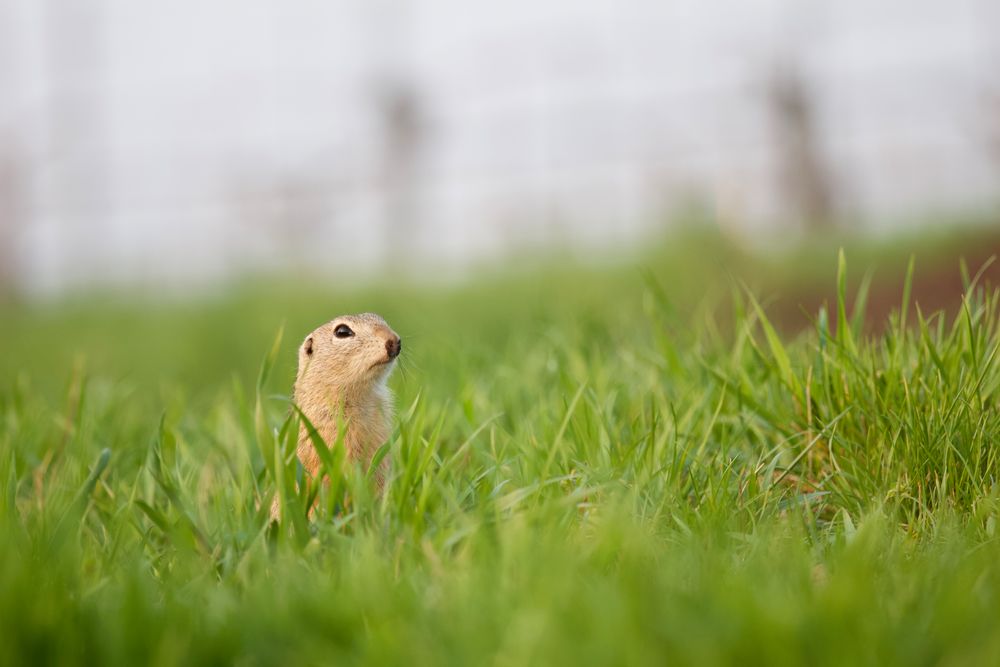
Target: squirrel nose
point(393, 347)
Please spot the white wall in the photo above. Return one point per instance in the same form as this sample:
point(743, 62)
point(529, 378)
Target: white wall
point(198, 125)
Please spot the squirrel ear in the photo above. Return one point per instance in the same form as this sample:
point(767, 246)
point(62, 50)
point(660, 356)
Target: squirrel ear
point(308, 345)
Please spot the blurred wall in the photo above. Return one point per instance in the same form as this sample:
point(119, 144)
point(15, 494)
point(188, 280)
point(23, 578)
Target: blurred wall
point(188, 141)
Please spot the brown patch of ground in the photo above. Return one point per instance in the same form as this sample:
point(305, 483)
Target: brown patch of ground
point(936, 286)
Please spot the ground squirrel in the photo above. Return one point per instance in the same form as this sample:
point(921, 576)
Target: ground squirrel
point(343, 367)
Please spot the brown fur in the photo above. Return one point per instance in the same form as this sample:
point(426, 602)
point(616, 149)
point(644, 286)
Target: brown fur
point(346, 377)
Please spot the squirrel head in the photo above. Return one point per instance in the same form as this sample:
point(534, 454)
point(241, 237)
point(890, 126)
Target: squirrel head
point(349, 353)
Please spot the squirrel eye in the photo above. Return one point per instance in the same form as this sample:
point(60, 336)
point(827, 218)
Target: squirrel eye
point(343, 331)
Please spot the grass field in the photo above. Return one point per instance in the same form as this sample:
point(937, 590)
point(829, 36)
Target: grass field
point(626, 465)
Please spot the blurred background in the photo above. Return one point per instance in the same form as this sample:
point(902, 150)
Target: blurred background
point(178, 145)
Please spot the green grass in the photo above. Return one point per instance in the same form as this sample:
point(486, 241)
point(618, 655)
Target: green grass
point(624, 466)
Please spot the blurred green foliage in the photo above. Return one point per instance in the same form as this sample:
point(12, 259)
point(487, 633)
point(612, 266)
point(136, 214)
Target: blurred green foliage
point(626, 465)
